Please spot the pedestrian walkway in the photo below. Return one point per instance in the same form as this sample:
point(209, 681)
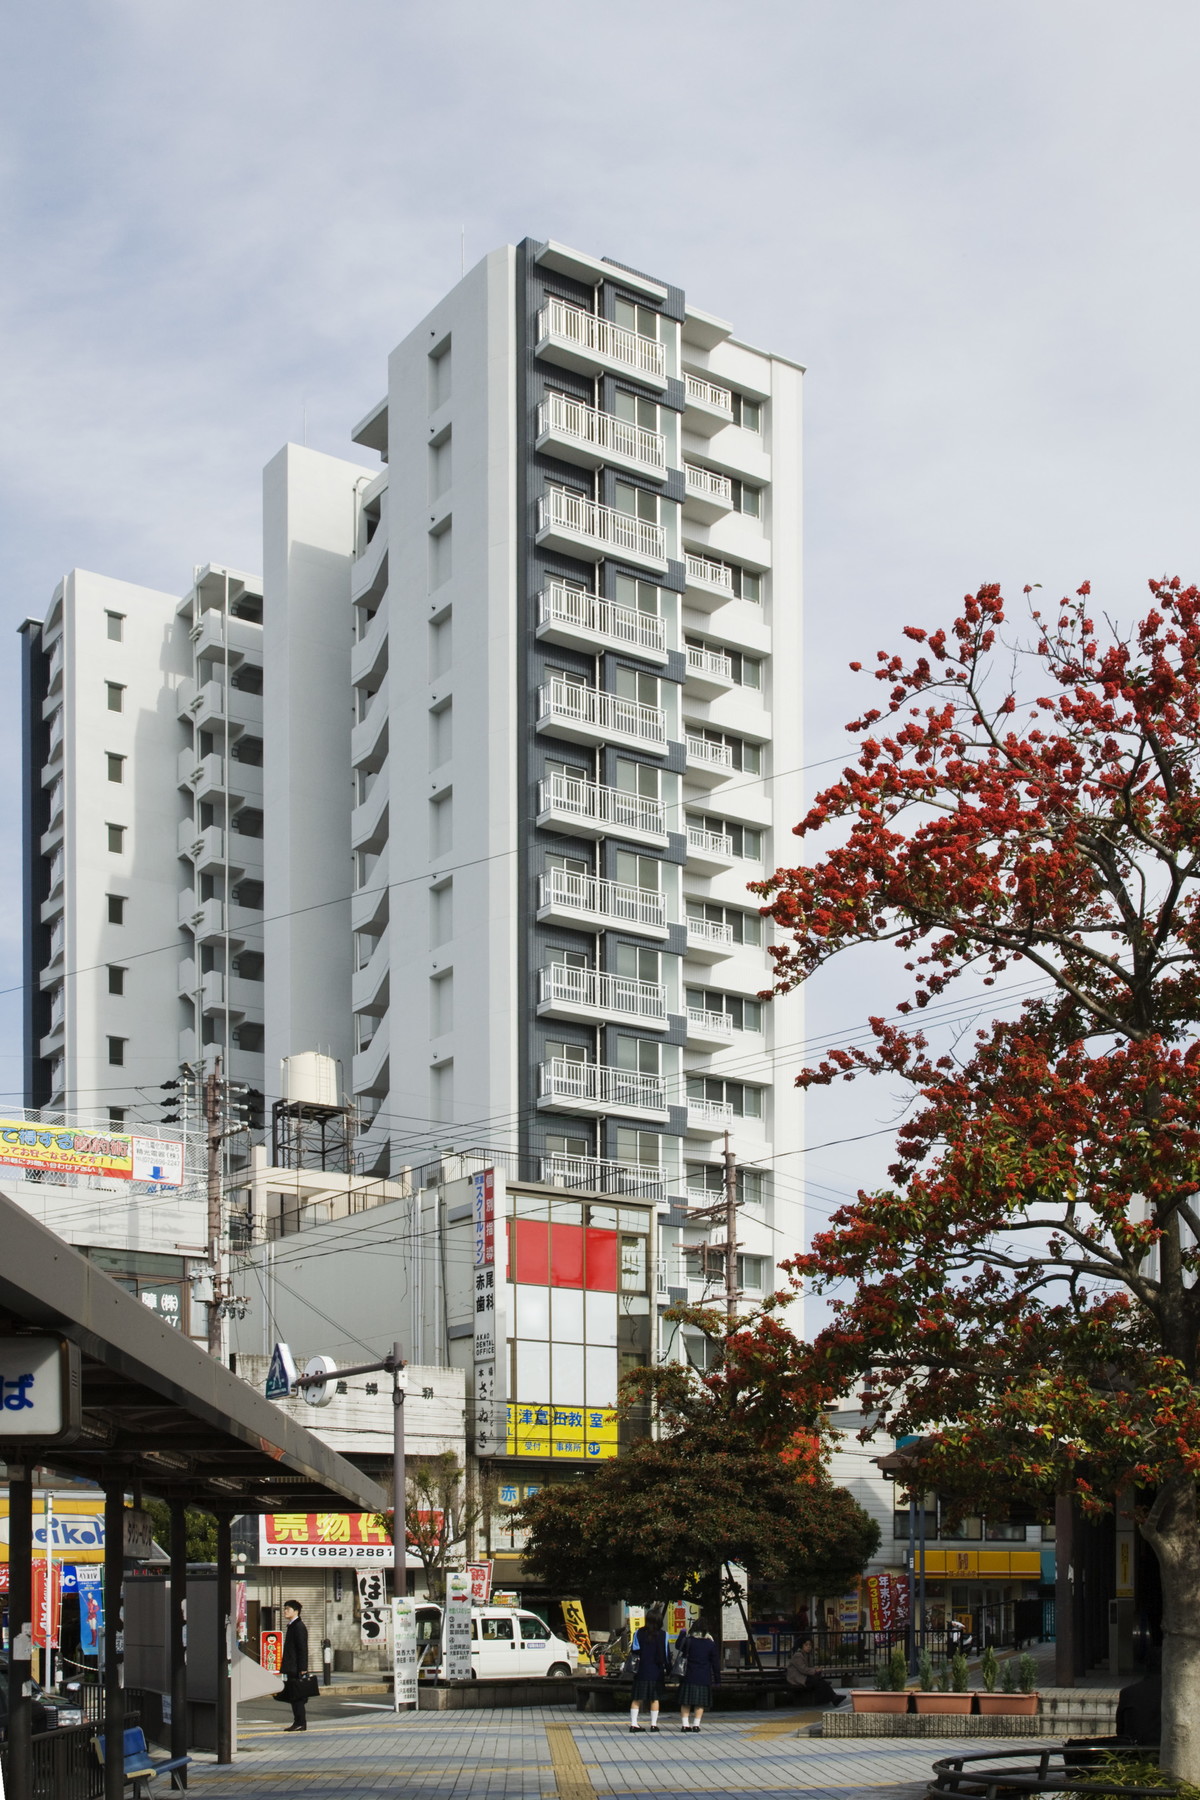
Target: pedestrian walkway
point(544, 1753)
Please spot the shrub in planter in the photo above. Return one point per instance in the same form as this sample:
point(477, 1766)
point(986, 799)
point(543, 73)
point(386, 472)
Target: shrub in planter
point(1027, 1674)
point(1008, 1677)
point(960, 1675)
point(925, 1671)
point(989, 1668)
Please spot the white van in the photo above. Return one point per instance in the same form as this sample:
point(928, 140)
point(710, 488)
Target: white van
point(506, 1642)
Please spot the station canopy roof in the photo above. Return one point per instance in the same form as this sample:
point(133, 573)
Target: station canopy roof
point(155, 1405)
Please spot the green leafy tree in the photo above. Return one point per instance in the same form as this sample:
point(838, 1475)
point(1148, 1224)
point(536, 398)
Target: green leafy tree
point(201, 1530)
point(442, 1510)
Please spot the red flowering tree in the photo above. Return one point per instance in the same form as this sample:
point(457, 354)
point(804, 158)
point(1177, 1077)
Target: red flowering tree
point(1026, 1293)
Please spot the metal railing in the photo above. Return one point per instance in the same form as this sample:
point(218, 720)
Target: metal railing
point(716, 1113)
point(603, 431)
point(609, 342)
point(706, 484)
point(601, 992)
point(709, 931)
point(707, 393)
point(558, 605)
point(709, 662)
point(603, 805)
point(711, 574)
point(615, 900)
point(712, 1024)
point(607, 712)
point(709, 843)
point(639, 1180)
point(711, 756)
point(602, 1085)
point(602, 525)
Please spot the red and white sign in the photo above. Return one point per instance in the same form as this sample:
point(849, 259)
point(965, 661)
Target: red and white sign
point(481, 1582)
point(315, 1538)
point(47, 1604)
point(270, 1650)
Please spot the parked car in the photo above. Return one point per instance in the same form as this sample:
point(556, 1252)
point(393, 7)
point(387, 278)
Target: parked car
point(50, 1710)
point(506, 1642)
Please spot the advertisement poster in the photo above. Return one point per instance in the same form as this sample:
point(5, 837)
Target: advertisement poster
point(47, 1604)
point(481, 1582)
point(372, 1606)
point(577, 1631)
point(456, 1662)
point(270, 1650)
point(110, 1153)
point(317, 1538)
point(404, 1653)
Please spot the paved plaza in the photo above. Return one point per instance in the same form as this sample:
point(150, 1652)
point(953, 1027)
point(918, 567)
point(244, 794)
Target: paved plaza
point(360, 1748)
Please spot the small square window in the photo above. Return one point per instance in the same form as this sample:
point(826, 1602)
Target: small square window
point(116, 909)
point(116, 626)
point(116, 839)
point(116, 1051)
point(116, 767)
point(116, 979)
point(116, 696)
point(116, 1115)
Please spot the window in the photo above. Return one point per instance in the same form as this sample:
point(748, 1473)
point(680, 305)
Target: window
point(116, 909)
point(747, 499)
point(248, 750)
point(752, 1272)
point(116, 838)
point(639, 596)
point(747, 839)
point(116, 1116)
point(116, 767)
point(746, 757)
point(248, 1036)
point(248, 822)
point(639, 778)
point(632, 317)
point(641, 1147)
point(495, 1631)
point(709, 1178)
point(747, 413)
point(439, 375)
point(568, 771)
point(641, 964)
point(248, 966)
point(746, 1015)
point(638, 502)
point(638, 871)
point(532, 1629)
point(116, 696)
point(745, 671)
point(636, 411)
point(559, 1144)
point(248, 893)
point(569, 865)
point(116, 979)
point(644, 1055)
point(745, 927)
point(247, 678)
point(632, 684)
point(745, 1101)
point(115, 626)
point(116, 1051)
point(558, 1050)
point(747, 584)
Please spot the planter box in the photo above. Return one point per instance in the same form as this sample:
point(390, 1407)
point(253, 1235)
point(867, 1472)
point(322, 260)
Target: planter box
point(1012, 1705)
point(876, 1700)
point(943, 1704)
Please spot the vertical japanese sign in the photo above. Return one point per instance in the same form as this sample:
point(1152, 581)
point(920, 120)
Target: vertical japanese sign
point(577, 1631)
point(456, 1662)
point(481, 1582)
point(487, 1413)
point(47, 1604)
point(372, 1606)
point(404, 1654)
point(270, 1650)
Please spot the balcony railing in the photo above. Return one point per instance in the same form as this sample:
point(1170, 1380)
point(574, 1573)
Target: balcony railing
point(706, 484)
point(592, 803)
point(596, 1084)
point(605, 712)
point(602, 526)
point(712, 663)
point(642, 1180)
point(709, 573)
point(632, 906)
point(589, 614)
point(714, 1113)
point(710, 1024)
point(602, 432)
point(602, 339)
point(709, 931)
point(709, 843)
point(707, 393)
point(601, 992)
point(709, 756)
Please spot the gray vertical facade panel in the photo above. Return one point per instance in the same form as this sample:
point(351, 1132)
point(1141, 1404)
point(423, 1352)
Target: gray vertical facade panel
point(35, 818)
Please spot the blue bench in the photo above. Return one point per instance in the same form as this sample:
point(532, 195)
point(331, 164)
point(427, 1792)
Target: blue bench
point(140, 1767)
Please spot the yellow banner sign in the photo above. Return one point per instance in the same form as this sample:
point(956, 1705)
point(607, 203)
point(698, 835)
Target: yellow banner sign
point(1023, 1564)
point(77, 1526)
point(67, 1151)
point(578, 1433)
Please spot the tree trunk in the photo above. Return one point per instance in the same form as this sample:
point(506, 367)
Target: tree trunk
point(1173, 1531)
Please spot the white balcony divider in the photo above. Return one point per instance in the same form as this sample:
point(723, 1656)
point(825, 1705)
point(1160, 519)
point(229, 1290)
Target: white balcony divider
point(603, 525)
point(707, 393)
point(708, 484)
point(642, 1180)
point(709, 843)
point(611, 343)
point(602, 992)
point(709, 662)
point(603, 805)
point(716, 1113)
point(605, 1086)
point(712, 1024)
point(603, 431)
point(709, 931)
point(614, 900)
point(559, 605)
point(713, 756)
point(607, 712)
point(712, 574)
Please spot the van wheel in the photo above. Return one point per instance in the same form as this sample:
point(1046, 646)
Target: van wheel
point(558, 1671)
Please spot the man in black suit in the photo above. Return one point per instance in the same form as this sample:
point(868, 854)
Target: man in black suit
point(294, 1662)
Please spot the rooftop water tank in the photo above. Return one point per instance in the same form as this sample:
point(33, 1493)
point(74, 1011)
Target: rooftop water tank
point(311, 1079)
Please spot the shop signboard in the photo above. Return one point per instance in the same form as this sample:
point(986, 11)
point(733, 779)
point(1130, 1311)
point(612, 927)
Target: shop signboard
point(67, 1151)
point(76, 1526)
point(270, 1650)
point(481, 1582)
point(577, 1631)
point(457, 1650)
point(40, 1390)
point(47, 1604)
point(404, 1653)
point(323, 1538)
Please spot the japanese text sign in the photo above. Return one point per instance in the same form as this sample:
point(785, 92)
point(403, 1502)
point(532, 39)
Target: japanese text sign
point(73, 1152)
point(323, 1538)
point(39, 1389)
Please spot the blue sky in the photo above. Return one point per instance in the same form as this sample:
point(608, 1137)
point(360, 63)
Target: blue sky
point(976, 225)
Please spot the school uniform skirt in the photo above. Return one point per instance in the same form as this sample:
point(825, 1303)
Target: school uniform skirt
point(691, 1693)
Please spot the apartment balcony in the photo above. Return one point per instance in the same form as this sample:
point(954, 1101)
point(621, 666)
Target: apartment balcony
point(371, 1058)
point(366, 737)
point(709, 673)
point(642, 1181)
point(581, 434)
point(56, 872)
point(576, 526)
point(584, 900)
point(709, 852)
point(708, 1030)
point(218, 636)
point(205, 919)
point(708, 407)
point(202, 845)
point(369, 572)
point(55, 669)
point(56, 735)
point(214, 703)
point(585, 715)
point(708, 940)
point(206, 776)
point(589, 809)
point(708, 1118)
point(591, 994)
point(708, 763)
point(579, 1087)
point(585, 621)
point(707, 495)
point(575, 339)
point(709, 583)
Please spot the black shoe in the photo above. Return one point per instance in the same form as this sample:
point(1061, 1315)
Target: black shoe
point(654, 1728)
point(635, 1728)
point(296, 1728)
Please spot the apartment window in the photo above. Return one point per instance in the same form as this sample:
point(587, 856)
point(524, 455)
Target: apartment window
point(248, 1036)
point(116, 696)
point(249, 965)
point(558, 1144)
point(745, 671)
point(747, 413)
point(248, 821)
point(632, 684)
point(747, 499)
point(639, 596)
point(644, 1055)
point(630, 316)
point(569, 959)
point(709, 1178)
point(745, 927)
point(441, 465)
point(116, 1051)
point(248, 893)
point(115, 626)
point(116, 1117)
point(747, 839)
point(116, 767)
point(116, 909)
point(441, 914)
point(639, 778)
point(746, 1101)
point(247, 678)
point(747, 584)
point(638, 962)
point(639, 871)
point(634, 410)
point(637, 502)
point(642, 1147)
point(569, 865)
point(248, 750)
point(568, 771)
point(752, 1272)
point(116, 979)
point(558, 1050)
point(743, 1014)
point(441, 824)
point(116, 838)
point(745, 756)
